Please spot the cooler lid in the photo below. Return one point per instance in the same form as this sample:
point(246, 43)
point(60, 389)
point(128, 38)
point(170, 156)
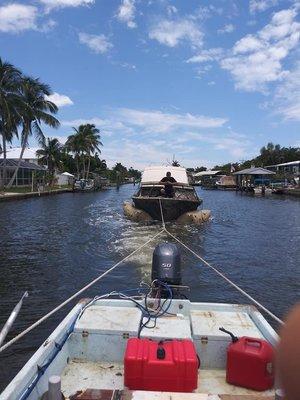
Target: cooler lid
point(168, 327)
point(109, 320)
point(206, 323)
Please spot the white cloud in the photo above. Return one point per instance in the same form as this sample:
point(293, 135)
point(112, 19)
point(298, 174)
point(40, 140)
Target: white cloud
point(171, 10)
point(154, 121)
point(157, 121)
point(261, 5)
point(52, 4)
point(173, 32)
point(142, 137)
point(17, 17)
point(227, 29)
point(212, 54)
point(126, 13)
point(99, 44)
point(287, 96)
point(257, 59)
point(235, 144)
point(60, 100)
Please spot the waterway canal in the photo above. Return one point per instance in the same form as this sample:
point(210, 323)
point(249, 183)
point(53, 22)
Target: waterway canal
point(52, 246)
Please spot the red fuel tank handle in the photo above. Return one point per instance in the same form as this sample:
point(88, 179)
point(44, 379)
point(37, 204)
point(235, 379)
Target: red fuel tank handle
point(233, 338)
point(253, 342)
point(161, 353)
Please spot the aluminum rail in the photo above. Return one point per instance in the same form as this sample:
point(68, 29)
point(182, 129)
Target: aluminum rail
point(11, 319)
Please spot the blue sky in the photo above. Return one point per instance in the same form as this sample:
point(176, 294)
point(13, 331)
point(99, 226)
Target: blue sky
point(209, 81)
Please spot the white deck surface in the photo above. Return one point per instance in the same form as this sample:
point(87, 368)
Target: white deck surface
point(81, 375)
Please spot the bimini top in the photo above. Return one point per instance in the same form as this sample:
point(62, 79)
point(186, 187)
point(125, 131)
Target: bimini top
point(155, 174)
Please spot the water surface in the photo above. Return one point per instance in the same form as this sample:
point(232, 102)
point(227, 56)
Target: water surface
point(52, 246)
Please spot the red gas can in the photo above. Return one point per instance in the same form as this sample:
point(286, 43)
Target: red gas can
point(169, 366)
point(250, 364)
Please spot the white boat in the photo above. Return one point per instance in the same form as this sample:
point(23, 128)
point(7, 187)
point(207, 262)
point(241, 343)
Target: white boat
point(151, 200)
point(84, 185)
point(86, 351)
point(262, 190)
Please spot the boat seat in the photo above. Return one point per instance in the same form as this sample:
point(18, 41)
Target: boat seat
point(171, 327)
point(102, 332)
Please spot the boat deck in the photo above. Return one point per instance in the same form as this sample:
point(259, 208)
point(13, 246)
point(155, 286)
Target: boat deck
point(104, 327)
point(80, 375)
point(90, 363)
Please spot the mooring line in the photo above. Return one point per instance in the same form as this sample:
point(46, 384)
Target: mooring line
point(221, 274)
point(38, 322)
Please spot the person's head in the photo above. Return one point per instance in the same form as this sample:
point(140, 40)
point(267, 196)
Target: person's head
point(168, 174)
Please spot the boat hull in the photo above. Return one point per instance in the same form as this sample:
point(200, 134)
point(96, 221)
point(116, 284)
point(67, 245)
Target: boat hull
point(172, 208)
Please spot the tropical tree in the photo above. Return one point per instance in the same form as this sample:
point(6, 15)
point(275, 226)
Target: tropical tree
point(36, 109)
point(74, 145)
point(92, 143)
point(50, 155)
point(83, 143)
point(10, 102)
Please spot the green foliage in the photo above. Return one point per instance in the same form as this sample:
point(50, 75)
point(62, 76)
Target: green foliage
point(269, 155)
point(83, 144)
point(24, 104)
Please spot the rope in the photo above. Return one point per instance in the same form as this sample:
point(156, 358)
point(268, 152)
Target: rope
point(38, 322)
point(228, 280)
point(162, 214)
point(222, 275)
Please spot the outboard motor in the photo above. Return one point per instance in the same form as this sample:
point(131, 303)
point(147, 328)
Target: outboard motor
point(166, 264)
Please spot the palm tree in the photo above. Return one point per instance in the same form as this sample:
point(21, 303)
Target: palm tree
point(74, 145)
point(92, 143)
point(10, 101)
point(84, 142)
point(36, 110)
point(50, 154)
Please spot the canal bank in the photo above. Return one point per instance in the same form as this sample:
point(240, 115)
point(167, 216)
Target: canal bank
point(20, 196)
point(52, 246)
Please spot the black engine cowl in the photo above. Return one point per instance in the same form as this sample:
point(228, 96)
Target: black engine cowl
point(166, 264)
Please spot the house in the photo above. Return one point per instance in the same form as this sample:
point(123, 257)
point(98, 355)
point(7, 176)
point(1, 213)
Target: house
point(291, 168)
point(29, 168)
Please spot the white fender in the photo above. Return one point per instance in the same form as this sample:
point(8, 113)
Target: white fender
point(135, 214)
point(194, 217)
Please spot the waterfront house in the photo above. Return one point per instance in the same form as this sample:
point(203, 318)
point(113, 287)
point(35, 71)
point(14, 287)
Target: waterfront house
point(288, 169)
point(248, 178)
point(29, 168)
point(207, 178)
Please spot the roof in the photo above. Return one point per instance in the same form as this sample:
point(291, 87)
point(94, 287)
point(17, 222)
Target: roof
point(254, 171)
point(67, 174)
point(14, 153)
point(206, 173)
point(155, 174)
point(284, 164)
point(24, 165)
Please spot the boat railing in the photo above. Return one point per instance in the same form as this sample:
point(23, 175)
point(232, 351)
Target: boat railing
point(159, 184)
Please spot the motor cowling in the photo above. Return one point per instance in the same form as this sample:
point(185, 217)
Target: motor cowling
point(166, 264)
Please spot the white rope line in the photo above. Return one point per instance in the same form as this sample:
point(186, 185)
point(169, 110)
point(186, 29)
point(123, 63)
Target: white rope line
point(38, 322)
point(220, 273)
point(228, 280)
point(162, 214)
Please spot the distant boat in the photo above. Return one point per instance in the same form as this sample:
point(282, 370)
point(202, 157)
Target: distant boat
point(262, 190)
point(84, 185)
point(147, 198)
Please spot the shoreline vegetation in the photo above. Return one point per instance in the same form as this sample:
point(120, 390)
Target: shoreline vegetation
point(24, 109)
